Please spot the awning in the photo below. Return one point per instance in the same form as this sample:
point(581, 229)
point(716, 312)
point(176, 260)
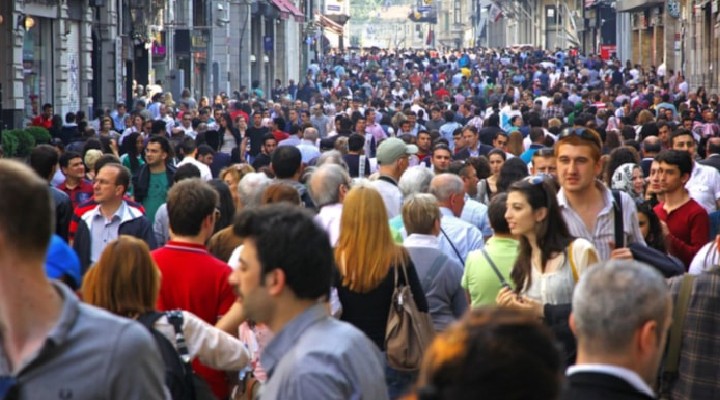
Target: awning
point(329, 24)
point(280, 5)
point(299, 16)
point(635, 5)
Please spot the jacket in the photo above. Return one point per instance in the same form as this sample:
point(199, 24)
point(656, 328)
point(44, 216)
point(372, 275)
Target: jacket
point(141, 182)
point(599, 386)
point(63, 212)
point(132, 222)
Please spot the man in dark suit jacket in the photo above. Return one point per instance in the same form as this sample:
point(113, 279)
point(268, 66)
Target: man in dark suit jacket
point(713, 153)
point(473, 147)
point(622, 312)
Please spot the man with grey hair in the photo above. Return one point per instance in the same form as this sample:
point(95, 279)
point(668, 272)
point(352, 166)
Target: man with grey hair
point(416, 179)
point(328, 185)
point(622, 312)
point(308, 145)
point(250, 190)
point(457, 237)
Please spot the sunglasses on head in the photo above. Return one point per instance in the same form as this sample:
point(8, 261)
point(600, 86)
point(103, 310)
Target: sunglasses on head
point(582, 133)
point(545, 152)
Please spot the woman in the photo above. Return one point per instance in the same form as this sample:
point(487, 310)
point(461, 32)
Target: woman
point(629, 179)
point(133, 155)
point(231, 176)
point(550, 260)
point(488, 187)
point(126, 282)
point(650, 227)
point(228, 136)
point(486, 355)
point(367, 260)
point(226, 209)
point(106, 129)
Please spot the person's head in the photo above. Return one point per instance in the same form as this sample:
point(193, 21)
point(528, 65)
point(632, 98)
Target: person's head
point(287, 162)
point(72, 166)
point(225, 211)
point(533, 214)
point(629, 179)
point(91, 157)
point(441, 157)
point(43, 160)
point(650, 227)
point(470, 136)
point(487, 353)
point(496, 214)
point(205, 154)
point(329, 184)
point(286, 261)
point(365, 249)
point(24, 236)
point(449, 191)
point(270, 144)
point(543, 162)
point(578, 159)
point(421, 214)
point(621, 313)
point(664, 131)
point(497, 158)
point(424, 142)
point(458, 139)
point(415, 180)
point(157, 151)
point(674, 170)
point(111, 182)
point(683, 140)
point(468, 174)
point(393, 156)
point(500, 141)
point(125, 280)
point(250, 189)
point(192, 206)
point(47, 110)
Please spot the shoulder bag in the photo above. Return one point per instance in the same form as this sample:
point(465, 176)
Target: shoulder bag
point(408, 331)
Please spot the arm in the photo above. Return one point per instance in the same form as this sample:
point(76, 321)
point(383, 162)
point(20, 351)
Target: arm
point(213, 347)
point(699, 233)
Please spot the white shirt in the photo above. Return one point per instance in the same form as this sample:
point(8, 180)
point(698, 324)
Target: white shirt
point(704, 186)
point(391, 195)
point(705, 259)
point(420, 240)
point(329, 219)
point(205, 172)
point(625, 374)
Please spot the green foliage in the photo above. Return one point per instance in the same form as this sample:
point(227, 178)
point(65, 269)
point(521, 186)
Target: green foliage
point(10, 142)
point(41, 135)
point(26, 142)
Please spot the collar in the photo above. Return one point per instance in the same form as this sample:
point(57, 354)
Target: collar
point(331, 208)
point(121, 213)
point(420, 240)
point(625, 374)
point(606, 193)
point(446, 212)
point(289, 335)
point(185, 246)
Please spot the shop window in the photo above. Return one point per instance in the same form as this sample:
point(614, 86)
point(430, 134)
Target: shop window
point(37, 66)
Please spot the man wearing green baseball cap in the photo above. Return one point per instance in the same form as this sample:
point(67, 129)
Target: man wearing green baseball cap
point(392, 158)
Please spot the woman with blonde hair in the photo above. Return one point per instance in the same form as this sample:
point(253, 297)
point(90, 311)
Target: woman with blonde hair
point(231, 176)
point(126, 281)
point(367, 260)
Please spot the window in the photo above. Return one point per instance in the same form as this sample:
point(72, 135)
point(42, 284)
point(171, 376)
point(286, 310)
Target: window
point(456, 12)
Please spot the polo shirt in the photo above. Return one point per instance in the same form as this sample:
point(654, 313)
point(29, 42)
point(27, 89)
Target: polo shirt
point(689, 227)
point(479, 279)
point(80, 193)
point(195, 281)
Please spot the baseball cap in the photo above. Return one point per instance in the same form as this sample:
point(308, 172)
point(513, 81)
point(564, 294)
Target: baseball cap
point(61, 260)
point(393, 148)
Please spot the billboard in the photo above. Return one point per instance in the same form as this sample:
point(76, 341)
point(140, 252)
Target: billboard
point(424, 11)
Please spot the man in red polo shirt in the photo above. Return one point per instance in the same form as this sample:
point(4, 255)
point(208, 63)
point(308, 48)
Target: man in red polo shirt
point(45, 119)
point(192, 279)
point(75, 185)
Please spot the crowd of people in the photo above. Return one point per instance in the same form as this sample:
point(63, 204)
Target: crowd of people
point(527, 197)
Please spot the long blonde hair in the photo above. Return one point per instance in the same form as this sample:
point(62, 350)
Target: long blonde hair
point(365, 250)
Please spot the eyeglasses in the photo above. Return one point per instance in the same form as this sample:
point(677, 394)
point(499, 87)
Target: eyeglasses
point(9, 388)
point(582, 133)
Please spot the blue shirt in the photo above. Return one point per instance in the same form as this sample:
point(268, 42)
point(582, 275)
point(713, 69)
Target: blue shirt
point(104, 230)
point(315, 356)
point(446, 131)
point(476, 213)
point(465, 237)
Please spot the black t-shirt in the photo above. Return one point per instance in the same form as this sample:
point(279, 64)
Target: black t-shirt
point(256, 136)
point(353, 162)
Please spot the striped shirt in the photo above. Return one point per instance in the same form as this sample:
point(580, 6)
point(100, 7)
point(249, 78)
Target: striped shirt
point(604, 232)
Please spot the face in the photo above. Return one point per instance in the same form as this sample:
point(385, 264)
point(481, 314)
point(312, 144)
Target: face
point(147, 127)
point(470, 138)
point(360, 125)
point(138, 122)
point(684, 143)
point(270, 146)
point(75, 169)
point(654, 178)
point(293, 115)
point(154, 154)
point(371, 117)
point(187, 120)
point(576, 167)
point(139, 144)
point(471, 180)
point(544, 165)
point(664, 133)
point(500, 142)
point(644, 224)
point(459, 141)
point(247, 284)
point(104, 187)
point(519, 214)
point(107, 125)
point(638, 181)
point(671, 179)
point(233, 186)
point(496, 162)
point(424, 142)
point(441, 160)
point(257, 119)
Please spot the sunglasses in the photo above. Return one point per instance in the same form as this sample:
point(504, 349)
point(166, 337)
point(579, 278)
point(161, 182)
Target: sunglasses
point(9, 388)
point(582, 133)
point(545, 152)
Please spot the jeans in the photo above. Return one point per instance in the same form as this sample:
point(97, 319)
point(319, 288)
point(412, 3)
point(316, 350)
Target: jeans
point(398, 382)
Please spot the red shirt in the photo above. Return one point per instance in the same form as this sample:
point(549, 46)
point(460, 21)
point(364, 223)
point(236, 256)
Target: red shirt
point(80, 193)
point(41, 120)
point(280, 135)
point(195, 281)
point(689, 227)
point(241, 113)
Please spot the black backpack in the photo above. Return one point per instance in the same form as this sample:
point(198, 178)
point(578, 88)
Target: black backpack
point(180, 380)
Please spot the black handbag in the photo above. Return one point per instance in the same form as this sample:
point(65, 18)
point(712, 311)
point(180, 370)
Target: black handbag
point(667, 265)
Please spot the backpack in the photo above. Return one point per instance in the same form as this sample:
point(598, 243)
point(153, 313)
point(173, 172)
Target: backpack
point(180, 380)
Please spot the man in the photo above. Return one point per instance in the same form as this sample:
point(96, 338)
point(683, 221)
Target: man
point(44, 120)
point(372, 126)
point(586, 204)
point(393, 159)
point(112, 216)
point(712, 152)
point(312, 355)
point(190, 151)
point(308, 145)
point(320, 121)
point(328, 186)
point(436, 120)
point(457, 237)
point(45, 329)
point(256, 133)
point(356, 158)
point(192, 279)
point(75, 185)
point(296, 135)
point(492, 126)
point(43, 160)
point(276, 128)
point(155, 178)
point(474, 212)
point(473, 147)
point(424, 144)
point(537, 141)
point(206, 155)
point(185, 127)
point(621, 314)
point(288, 168)
point(651, 147)
point(447, 129)
point(439, 274)
point(118, 116)
point(685, 223)
point(543, 162)
point(479, 279)
point(704, 183)
point(263, 158)
point(440, 159)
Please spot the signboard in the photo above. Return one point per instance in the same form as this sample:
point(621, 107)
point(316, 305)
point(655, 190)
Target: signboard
point(334, 7)
point(607, 51)
point(268, 43)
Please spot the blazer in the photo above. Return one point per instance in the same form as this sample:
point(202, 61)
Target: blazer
point(599, 386)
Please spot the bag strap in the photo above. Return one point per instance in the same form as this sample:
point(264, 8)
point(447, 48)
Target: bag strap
point(361, 167)
point(672, 361)
point(503, 282)
point(571, 260)
point(175, 318)
point(434, 269)
point(457, 253)
point(618, 218)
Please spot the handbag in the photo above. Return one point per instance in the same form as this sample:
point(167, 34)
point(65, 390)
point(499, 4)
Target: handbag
point(666, 265)
point(408, 331)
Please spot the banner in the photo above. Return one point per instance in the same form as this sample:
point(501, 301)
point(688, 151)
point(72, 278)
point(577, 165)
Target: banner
point(495, 12)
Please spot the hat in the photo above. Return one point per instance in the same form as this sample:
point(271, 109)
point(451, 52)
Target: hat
point(62, 261)
point(393, 148)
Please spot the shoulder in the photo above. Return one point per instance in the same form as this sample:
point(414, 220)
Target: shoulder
point(581, 246)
